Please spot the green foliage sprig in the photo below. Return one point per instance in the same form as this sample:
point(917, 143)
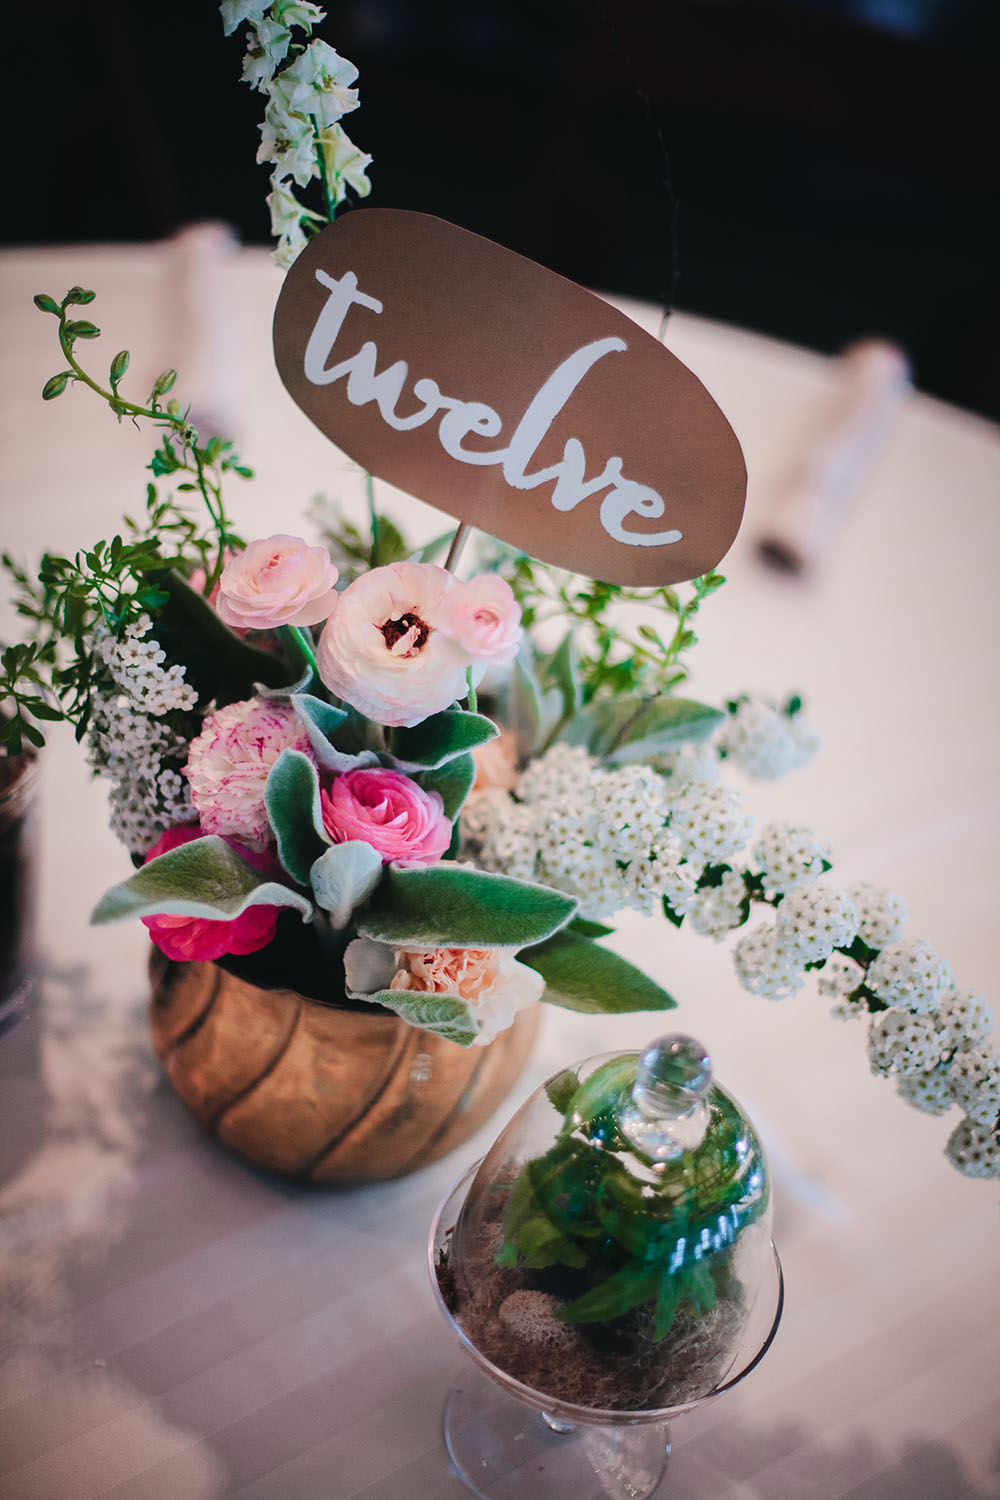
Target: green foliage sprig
point(54, 674)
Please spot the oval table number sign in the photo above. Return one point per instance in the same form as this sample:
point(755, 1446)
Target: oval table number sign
point(509, 397)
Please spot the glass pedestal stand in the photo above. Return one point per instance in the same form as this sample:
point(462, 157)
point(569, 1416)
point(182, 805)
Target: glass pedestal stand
point(507, 1442)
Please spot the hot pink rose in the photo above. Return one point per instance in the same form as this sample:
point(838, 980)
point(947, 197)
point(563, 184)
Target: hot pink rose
point(381, 651)
point(484, 618)
point(229, 762)
point(279, 580)
point(199, 938)
point(389, 811)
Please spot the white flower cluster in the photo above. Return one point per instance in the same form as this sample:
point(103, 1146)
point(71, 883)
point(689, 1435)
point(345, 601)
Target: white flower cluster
point(301, 135)
point(611, 838)
point(128, 739)
point(765, 742)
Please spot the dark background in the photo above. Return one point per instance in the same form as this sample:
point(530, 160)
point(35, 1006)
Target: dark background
point(833, 161)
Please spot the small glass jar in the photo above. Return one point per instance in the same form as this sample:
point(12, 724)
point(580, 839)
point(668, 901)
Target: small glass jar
point(19, 963)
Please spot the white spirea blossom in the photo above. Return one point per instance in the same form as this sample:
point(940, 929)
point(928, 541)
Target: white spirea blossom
point(881, 914)
point(910, 974)
point(765, 743)
point(926, 1091)
point(762, 968)
point(812, 921)
point(789, 856)
point(965, 1017)
point(974, 1084)
point(974, 1150)
point(716, 910)
point(900, 1041)
point(840, 976)
point(709, 823)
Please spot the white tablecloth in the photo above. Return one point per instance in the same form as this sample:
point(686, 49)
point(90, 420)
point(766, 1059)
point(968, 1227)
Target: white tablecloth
point(180, 1327)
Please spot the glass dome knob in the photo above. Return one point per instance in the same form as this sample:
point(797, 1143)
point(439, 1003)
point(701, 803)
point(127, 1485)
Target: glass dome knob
point(668, 1112)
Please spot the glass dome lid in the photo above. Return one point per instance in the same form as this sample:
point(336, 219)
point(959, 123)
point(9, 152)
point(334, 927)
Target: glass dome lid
point(611, 1246)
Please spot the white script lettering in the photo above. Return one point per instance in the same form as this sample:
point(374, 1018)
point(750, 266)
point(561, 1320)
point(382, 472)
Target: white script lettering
point(461, 420)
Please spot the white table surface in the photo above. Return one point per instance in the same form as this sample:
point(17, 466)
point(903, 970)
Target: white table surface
point(178, 1326)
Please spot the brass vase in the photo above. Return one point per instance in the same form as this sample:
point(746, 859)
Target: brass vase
point(319, 1093)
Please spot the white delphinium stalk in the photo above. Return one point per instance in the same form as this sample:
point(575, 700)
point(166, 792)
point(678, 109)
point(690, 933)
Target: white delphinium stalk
point(267, 48)
point(765, 742)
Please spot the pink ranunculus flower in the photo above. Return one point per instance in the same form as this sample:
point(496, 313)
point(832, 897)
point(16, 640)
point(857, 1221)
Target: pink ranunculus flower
point(381, 653)
point(390, 812)
point(200, 938)
point(278, 580)
point(490, 981)
point(483, 617)
point(229, 762)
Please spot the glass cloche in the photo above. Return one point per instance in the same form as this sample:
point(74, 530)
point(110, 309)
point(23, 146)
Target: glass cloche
point(613, 1253)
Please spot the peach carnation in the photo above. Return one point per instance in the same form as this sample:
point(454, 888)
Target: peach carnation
point(390, 812)
point(279, 580)
point(229, 762)
point(489, 981)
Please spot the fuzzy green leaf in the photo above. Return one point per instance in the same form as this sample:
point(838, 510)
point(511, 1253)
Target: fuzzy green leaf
point(588, 929)
point(524, 710)
point(564, 670)
point(343, 877)
point(322, 722)
point(598, 726)
point(580, 975)
point(436, 740)
point(454, 906)
point(453, 781)
point(291, 797)
point(442, 1015)
point(219, 665)
point(203, 878)
point(663, 724)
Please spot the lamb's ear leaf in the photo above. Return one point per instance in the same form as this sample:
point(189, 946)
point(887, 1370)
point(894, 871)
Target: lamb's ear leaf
point(581, 975)
point(218, 663)
point(443, 1015)
point(343, 877)
point(454, 906)
point(323, 723)
point(291, 797)
point(454, 782)
point(662, 725)
point(438, 739)
point(563, 668)
point(203, 878)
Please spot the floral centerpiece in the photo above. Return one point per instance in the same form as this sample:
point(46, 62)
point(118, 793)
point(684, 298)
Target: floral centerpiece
point(410, 792)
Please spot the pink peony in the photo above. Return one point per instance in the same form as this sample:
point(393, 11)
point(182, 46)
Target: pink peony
point(228, 766)
point(389, 811)
point(279, 580)
point(490, 981)
point(483, 617)
point(380, 651)
point(199, 938)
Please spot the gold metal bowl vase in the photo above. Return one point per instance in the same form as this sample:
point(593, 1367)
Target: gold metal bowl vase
point(316, 1092)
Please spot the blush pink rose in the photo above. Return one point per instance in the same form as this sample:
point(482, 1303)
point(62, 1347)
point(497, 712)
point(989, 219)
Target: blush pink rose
point(483, 617)
point(199, 938)
point(390, 812)
point(229, 762)
point(279, 580)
